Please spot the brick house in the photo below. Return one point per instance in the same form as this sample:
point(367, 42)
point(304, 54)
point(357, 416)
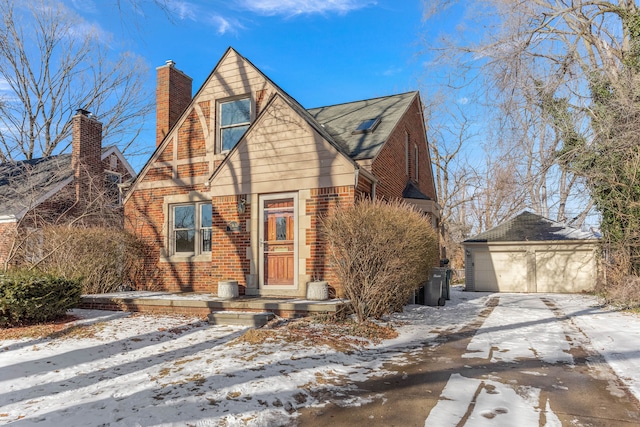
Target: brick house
point(242, 173)
point(61, 189)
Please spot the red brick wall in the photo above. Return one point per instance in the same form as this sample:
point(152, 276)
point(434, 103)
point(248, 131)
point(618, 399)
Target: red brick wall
point(144, 216)
point(167, 153)
point(229, 251)
point(191, 138)
point(173, 95)
point(321, 203)
point(144, 209)
point(389, 167)
point(365, 187)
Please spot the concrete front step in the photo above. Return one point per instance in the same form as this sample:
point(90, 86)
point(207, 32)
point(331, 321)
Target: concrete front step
point(239, 318)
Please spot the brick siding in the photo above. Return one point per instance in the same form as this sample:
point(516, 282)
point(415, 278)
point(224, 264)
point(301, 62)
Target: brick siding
point(389, 166)
point(230, 247)
point(322, 202)
point(173, 95)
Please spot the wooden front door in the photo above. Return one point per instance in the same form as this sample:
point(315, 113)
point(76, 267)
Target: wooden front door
point(278, 241)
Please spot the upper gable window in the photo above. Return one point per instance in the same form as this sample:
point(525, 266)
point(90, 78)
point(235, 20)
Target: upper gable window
point(368, 126)
point(235, 117)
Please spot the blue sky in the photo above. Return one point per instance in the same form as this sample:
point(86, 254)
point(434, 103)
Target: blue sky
point(321, 52)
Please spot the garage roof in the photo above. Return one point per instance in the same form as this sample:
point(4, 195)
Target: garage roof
point(528, 227)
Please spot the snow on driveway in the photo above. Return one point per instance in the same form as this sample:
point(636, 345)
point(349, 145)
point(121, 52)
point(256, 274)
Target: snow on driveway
point(494, 404)
point(521, 327)
point(142, 370)
point(525, 327)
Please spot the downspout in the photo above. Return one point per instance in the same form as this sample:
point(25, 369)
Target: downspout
point(356, 174)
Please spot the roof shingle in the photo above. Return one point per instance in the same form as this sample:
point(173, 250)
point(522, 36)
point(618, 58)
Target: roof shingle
point(531, 227)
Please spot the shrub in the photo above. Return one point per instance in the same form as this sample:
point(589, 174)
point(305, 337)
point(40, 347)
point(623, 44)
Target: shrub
point(34, 297)
point(617, 286)
point(381, 253)
point(103, 259)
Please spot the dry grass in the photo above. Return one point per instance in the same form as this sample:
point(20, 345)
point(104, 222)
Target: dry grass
point(60, 328)
point(343, 336)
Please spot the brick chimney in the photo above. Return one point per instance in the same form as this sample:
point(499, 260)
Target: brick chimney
point(173, 95)
point(86, 155)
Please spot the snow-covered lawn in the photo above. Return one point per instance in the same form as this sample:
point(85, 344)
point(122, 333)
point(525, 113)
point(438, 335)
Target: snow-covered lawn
point(124, 369)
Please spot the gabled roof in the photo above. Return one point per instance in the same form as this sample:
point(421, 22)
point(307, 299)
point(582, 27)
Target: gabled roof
point(342, 120)
point(411, 191)
point(332, 137)
point(27, 183)
point(529, 227)
point(19, 180)
point(334, 123)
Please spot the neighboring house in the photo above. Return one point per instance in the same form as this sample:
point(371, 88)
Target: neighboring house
point(61, 189)
point(530, 253)
point(242, 174)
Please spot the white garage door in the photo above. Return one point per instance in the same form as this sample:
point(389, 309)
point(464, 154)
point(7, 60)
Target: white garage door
point(500, 271)
point(565, 271)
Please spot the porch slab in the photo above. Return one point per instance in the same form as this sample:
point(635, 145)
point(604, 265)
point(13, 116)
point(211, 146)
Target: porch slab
point(202, 305)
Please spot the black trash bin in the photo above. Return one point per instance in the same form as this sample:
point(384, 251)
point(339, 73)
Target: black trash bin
point(447, 286)
point(418, 297)
point(433, 293)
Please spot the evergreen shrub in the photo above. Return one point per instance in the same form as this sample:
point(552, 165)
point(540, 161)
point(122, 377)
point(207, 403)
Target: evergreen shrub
point(28, 297)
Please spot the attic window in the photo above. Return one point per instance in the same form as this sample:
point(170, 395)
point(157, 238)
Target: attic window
point(367, 126)
point(235, 119)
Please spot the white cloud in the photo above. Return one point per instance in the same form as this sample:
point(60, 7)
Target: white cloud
point(463, 101)
point(301, 7)
point(85, 29)
point(225, 25)
point(86, 6)
point(183, 9)
point(4, 85)
point(392, 71)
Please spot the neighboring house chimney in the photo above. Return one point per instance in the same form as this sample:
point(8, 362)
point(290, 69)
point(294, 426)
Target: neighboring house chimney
point(86, 155)
point(173, 95)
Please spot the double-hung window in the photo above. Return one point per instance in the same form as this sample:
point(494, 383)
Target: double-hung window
point(191, 228)
point(235, 117)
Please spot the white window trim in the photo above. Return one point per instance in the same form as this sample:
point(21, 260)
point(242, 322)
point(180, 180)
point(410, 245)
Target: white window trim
point(219, 149)
point(167, 254)
point(198, 241)
point(275, 196)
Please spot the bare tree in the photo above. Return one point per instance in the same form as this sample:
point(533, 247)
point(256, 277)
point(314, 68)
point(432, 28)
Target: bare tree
point(567, 73)
point(529, 52)
point(52, 63)
point(449, 135)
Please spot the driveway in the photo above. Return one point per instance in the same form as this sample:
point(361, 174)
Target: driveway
point(483, 359)
point(524, 361)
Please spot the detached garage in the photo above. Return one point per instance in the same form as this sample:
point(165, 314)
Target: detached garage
point(530, 253)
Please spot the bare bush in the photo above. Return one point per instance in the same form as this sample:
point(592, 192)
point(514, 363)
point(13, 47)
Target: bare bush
point(103, 259)
point(617, 286)
point(381, 252)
